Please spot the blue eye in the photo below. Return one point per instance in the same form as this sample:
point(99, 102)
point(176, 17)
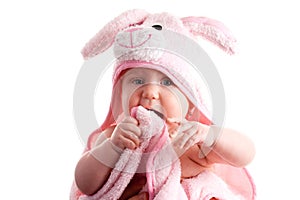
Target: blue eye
point(167, 82)
point(138, 81)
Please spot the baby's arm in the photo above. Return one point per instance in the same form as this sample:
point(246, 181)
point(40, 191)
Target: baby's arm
point(95, 166)
point(90, 173)
point(230, 147)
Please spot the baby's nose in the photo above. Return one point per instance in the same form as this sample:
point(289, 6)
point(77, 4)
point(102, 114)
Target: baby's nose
point(151, 91)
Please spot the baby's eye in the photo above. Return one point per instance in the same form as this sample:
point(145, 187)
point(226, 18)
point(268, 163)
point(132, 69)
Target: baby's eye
point(166, 82)
point(138, 81)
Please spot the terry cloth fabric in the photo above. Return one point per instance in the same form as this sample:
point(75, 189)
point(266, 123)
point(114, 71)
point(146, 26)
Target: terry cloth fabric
point(143, 159)
point(163, 177)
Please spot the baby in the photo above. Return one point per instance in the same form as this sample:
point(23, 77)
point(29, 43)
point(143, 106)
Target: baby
point(163, 83)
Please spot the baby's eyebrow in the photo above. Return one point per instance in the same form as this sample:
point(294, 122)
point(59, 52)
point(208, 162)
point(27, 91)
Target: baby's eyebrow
point(135, 73)
point(166, 77)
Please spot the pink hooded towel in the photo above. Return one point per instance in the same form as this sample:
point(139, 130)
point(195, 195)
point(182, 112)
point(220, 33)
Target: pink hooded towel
point(135, 45)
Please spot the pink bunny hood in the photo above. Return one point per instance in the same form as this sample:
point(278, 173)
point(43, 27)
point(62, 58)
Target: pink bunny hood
point(136, 41)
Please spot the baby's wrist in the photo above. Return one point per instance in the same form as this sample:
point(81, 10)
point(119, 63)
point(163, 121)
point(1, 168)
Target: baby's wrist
point(107, 153)
point(115, 147)
point(210, 139)
point(209, 142)
point(100, 139)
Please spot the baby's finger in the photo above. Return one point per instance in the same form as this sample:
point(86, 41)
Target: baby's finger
point(178, 143)
point(131, 120)
point(180, 139)
point(185, 126)
point(185, 138)
point(127, 127)
point(191, 129)
point(173, 120)
point(191, 141)
point(132, 136)
point(186, 135)
point(129, 143)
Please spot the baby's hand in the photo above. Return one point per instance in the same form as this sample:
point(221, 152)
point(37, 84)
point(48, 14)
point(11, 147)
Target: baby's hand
point(189, 133)
point(126, 134)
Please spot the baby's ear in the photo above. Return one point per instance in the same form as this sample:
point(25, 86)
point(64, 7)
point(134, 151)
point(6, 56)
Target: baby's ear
point(106, 36)
point(212, 30)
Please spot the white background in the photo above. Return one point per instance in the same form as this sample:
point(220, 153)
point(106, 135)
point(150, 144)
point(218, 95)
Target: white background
point(40, 43)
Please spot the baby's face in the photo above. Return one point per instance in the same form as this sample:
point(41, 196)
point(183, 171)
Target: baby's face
point(153, 90)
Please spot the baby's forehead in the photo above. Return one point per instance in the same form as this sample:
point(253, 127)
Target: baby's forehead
point(141, 71)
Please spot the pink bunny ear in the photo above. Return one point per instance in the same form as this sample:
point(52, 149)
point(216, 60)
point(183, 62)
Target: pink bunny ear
point(211, 30)
point(105, 37)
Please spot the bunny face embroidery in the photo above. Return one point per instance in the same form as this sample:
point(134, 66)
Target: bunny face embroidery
point(135, 22)
point(135, 42)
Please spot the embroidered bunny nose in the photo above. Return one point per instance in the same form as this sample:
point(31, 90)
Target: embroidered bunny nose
point(133, 38)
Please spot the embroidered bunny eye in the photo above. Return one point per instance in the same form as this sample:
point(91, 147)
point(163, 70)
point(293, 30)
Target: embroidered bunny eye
point(157, 27)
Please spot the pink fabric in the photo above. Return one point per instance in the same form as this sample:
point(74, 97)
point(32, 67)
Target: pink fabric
point(206, 186)
point(163, 177)
point(238, 180)
point(207, 28)
point(157, 143)
point(133, 22)
point(211, 30)
point(155, 137)
point(105, 37)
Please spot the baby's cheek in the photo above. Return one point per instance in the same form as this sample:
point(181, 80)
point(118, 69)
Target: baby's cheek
point(133, 101)
point(175, 104)
point(174, 110)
